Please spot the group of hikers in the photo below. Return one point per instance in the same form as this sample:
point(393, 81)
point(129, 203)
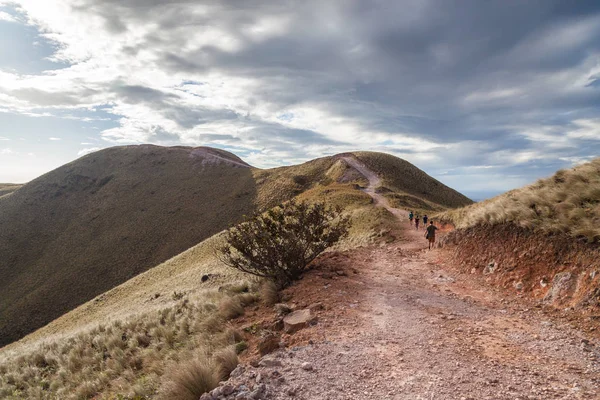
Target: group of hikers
point(429, 230)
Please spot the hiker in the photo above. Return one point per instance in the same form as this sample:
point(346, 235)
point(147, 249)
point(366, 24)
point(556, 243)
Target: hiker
point(425, 218)
point(430, 234)
point(417, 222)
point(410, 217)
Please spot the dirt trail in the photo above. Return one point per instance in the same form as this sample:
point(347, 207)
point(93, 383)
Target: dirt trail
point(404, 325)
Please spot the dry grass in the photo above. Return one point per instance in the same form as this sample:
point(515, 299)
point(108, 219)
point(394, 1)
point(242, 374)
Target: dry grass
point(403, 178)
point(190, 380)
point(568, 202)
point(277, 185)
point(130, 357)
point(226, 361)
point(269, 293)
point(231, 308)
point(56, 229)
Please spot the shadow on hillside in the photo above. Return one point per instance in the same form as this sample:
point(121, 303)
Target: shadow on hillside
point(90, 225)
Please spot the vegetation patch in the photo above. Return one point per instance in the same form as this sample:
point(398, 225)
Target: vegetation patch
point(131, 359)
point(567, 203)
point(280, 243)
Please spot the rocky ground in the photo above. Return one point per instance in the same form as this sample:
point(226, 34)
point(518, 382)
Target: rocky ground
point(397, 322)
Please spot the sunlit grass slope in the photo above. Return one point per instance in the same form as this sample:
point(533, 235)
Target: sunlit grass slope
point(123, 341)
point(91, 225)
point(406, 186)
point(568, 202)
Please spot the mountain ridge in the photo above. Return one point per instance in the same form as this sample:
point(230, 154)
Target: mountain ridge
point(98, 221)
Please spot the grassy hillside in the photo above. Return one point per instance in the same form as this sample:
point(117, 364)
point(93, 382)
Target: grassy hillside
point(7, 188)
point(406, 186)
point(90, 225)
point(123, 342)
point(82, 353)
point(568, 203)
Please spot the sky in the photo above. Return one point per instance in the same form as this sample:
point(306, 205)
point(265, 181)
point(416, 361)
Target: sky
point(485, 96)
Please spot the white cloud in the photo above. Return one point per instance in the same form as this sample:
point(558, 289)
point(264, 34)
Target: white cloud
point(587, 129)
point(2, 138)
point(4, 16)
point(6, 151)
point(88, 150)
point(252, 78)
point(54, 138)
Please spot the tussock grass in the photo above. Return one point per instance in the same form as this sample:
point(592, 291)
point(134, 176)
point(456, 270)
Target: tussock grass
point(226, 361)
point(130, 357)
point(269, 293)
point(190, 380)
point(568, 202)
point(231, 308)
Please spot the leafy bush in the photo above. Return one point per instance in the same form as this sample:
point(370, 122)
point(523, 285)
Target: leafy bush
point(280, 243)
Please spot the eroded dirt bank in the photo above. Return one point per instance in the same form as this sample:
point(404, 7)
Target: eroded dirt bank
point(556, 269)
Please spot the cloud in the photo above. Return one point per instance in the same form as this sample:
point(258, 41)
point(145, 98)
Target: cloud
point(54, 138)
point(88, 150)
point(4, 16)
point(452, 90)
point(6, 151)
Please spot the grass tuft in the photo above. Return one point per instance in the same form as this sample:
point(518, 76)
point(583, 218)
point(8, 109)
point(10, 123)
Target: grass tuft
point(269, 293)
point(226, 361)
point(189, 380)
point(231, 308)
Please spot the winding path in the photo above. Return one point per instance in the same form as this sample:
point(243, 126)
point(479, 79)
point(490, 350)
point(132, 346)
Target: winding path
point(407, 326)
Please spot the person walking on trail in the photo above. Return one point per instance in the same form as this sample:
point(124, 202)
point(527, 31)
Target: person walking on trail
point(430, 234)
point(425, 218)
point(410, 217)
point(417, 222)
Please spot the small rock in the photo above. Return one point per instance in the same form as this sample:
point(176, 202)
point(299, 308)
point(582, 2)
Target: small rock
point(307, 366)
point(258, 393)
point(490, 268)
point(269, 362)
point(207, 396)
point(297, 320)
point(316, 307)
point(268, 343)
point(238, 371)
point(227, 389)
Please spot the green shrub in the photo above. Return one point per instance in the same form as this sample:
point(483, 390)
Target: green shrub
point(280, 243)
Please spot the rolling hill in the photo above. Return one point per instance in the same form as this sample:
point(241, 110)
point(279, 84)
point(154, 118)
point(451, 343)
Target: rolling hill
point(566, 203)
point(541, 239)
point(91, 225)
point(8, 188)
point(408, 187)
point(83, 228)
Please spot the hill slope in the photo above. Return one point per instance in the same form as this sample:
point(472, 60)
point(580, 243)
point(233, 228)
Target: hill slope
point(406, 186)
point(567, 203)
point(7, 188)
point(91, 225)
point(87, 226)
